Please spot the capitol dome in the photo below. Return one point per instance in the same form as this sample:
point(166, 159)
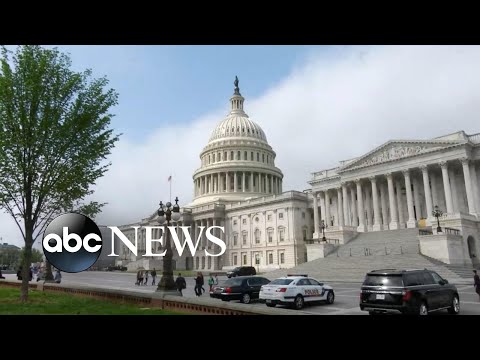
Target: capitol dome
point(237, 161)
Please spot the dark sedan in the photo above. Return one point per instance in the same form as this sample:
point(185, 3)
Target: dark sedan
point(243, 288)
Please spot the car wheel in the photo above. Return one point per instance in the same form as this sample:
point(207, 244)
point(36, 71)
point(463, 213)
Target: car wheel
point(246, 298)
point(423, 309)
point(330, 297)
point(455, 308)
point(298, 303)
point(271, 305)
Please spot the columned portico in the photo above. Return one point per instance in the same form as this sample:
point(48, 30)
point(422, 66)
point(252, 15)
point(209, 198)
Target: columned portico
point(446, 187)
point(426, 189)
point(316, 221)
point(468, 186)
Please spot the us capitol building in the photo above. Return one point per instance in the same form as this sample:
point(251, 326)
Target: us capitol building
point(395, 186)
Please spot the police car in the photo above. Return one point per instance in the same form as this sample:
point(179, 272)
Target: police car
point(296, 290)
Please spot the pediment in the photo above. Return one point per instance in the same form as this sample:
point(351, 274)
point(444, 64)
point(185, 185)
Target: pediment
point(395, 150)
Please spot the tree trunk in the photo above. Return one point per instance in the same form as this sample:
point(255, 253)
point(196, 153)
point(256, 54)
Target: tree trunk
point(48, 271)
point(27, 259)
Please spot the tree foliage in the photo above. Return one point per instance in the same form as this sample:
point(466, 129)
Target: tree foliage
point(54, 138)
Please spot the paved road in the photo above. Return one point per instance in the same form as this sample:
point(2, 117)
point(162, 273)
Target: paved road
point(346, 294)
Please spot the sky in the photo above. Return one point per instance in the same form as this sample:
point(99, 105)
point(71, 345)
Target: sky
point(318, 105)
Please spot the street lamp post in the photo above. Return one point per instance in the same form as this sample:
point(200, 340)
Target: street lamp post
point(166, 213)
point(323, 231)
point(437, 213)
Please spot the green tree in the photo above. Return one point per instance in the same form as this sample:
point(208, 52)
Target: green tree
point(37, 256)
point(54, 139)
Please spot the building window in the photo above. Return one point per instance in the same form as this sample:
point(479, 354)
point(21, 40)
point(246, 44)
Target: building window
point(234, 222)
point(270, 258)
point(281, 234)
point(269, 217)
point(209, 262)
point(258, 157)
point(257, 236)
point(257, 259)
point(330, 201)
point(280, 215)
point(209, 159)
point(263, 157)
point(244, 259)
point(203, 262)
point(245, 156)
point(304, 234)
point(235, 238)
point(244, 239)
point(267, 158)
point(251, 156)
point(270, 235)
point(282, 258)
point(303, 215)
point(197, 263)
point(231, 155)
point(235, 259)
point(225, 156)
point(244, 221)
point(238, 155)
point(213, 158)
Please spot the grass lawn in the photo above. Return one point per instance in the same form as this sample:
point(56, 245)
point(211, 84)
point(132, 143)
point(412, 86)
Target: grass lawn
point(65, 304)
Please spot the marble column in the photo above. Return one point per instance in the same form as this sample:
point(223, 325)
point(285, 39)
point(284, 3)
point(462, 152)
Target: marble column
point(383, 202)
point(393, 206)
point(416, 198)
point(243, 181)
point(426, 189)
point(475, 184)
point(219, 183)
point(227, 181)
point(271, 185)
point(341, 220)
point(401, 218)
point(259, 183)
point(251, 182)
point(446, 187)
point(376, 206)
point(346, 215)
point(353, 206)
point(316, 221)
point(327, 209)
point(281, 187)
point(454, 190)
point(322, 207)
point(368, 206)
point(433, 182)
point(361, 211)
point(235, 182)
point(411, 223)
point(468, 186)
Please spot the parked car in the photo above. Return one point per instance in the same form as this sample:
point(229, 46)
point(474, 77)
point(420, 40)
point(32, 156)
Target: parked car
point(408, 292)
point(295, 290)
point(243, 288)
point(242, 271)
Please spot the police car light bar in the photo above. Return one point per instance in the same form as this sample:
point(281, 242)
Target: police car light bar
point(303, 275)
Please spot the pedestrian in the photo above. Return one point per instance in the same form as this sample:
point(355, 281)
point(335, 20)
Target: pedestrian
point(154, 276)
point(139, 277)
point(180, 284)
point(19, 273)
point(211, 281)
point(146, 278)
point(198, 284)
point(39, 275)
point(58, 277)
point(1, 276)
point(476, 283)
point(216, 279)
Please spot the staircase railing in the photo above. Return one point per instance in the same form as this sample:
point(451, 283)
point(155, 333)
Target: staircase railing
point(378, 250)
point(320, 241)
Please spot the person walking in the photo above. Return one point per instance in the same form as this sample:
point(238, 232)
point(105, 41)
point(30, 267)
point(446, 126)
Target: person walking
point(146, 278)
point(216, 279)
point(198, 284)
point(211, 281)
point(180, 284)
point(58, 277)
point(154, 276)
point(476, 283)
point(139, 277)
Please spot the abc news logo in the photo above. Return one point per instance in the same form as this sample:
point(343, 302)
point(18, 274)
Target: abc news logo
point(73, 242)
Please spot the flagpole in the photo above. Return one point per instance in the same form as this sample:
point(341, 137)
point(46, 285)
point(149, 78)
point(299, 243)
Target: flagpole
point(170, 188)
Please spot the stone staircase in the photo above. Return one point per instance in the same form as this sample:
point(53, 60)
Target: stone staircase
point(397, 249)
point(462, 271)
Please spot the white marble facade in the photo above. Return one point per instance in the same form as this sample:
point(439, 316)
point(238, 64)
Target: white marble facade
point(394, 186)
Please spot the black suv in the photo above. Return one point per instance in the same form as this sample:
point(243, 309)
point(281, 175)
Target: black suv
point(242, 271)
point(243, 288)
point(408, 292)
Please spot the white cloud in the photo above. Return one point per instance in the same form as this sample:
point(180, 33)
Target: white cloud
point(330, 109)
